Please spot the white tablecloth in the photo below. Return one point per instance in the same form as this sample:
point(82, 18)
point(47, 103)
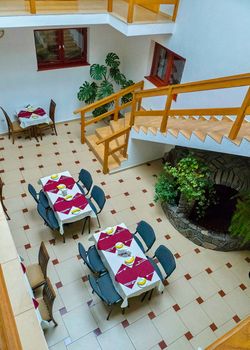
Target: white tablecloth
point(33, 120)
point(113, 262)
point(52, 197)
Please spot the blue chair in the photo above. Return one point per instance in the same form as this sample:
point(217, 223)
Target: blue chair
point(91, 258)
point(86, 179)
point(147, 234)
point(38, 197)
point(49, 218)
point(98, 196)
point(167, 261)
point(104, 288)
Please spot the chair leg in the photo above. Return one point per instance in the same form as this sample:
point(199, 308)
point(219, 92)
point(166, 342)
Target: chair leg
point(55, 129)
point(123, 310)
point(110, 310)
point(144, 296)
point(13, 138)
point(151, 293)
point(98, 221)
point(55, 323)
point(63, 238)
point(83, 227)
point(89, 224)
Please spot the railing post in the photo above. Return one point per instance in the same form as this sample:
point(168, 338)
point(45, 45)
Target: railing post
point(130, 11)
point(240, 117)
point(126, 144)
point(33, 6)
point(132, 113)
point(140, 99)
point(105, 168)
point(166, 110)
point(82, 127)
point(116, 113)
point(110, 5)
point(176, 6)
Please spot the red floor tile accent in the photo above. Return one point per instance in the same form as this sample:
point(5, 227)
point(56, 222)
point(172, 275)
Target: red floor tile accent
point(59, 164)
point(98, 171)
point(26, 227)
point(177, 255)
point(162, 345)
point(78, 256)
point(71, 141)
point(132, 208)
point(113, 211)
point(57, 153)
point(236, 318)
point(2, 148)
point(144, 191)
point(27, 246)
point(103, 183)
point(74, 151)
point(85, 278)
point(151, 315)
point(75, 236)
point(121, 180)
point(242, 286)
point(55, 262)
point(165, 282)
point(138, 178)
point(151, 205)
point(21, 169)
point(222, 293)
point(228, 265)
point(22, 181)
point(1, 171)
point(108, 196)
point(68, 132)
point(77, 162)
point(199, 300)
point(213, 327)
point(125, 323)
point(94, 160)
point(52, 241)
point(89, 302)
point(97, 331)
point(40, 166)
point(21, 157)
point(188, 277)
point(1, 159)
point(20, 146)
point(126, 194)
point(63, 311)
point(66, 124)
point(176, 307)
point(38, 145)
point(25, 210)
point(189, 336)
point(54, 143)
point(197, 250)
point(208, 270)
point(247, 259)
point(159, 220)
point(39, 155)
point(167, 237)
point(58, 285)
point(24, 195)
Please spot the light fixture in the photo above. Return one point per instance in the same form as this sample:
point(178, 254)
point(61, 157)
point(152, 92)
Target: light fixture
point(1, 33)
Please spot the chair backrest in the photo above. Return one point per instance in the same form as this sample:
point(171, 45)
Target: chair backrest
point(32, 191)
point(43, 259)
point(146, 232)
point(166, 259)
point(8, 120)
point(96, 289)
point(84, 255)
point(99, 196)
point(48, 216)
point(49, 296)
point(52, 108)
point(86, 178)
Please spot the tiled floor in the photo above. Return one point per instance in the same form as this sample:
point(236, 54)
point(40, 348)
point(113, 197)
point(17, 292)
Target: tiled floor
point(206, 296)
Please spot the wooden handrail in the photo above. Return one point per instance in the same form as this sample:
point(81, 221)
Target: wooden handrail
point(115, 135)
point(191, 112)
point(9, 337)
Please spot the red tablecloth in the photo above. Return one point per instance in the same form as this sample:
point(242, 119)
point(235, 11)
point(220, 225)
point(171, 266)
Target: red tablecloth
point(63, 206)
point(108, 242)
point(27, 114)
point(128, 275)
point(51, 185)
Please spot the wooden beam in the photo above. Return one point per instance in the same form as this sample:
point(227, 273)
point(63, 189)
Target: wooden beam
point(130, 16)
point(110, 5)
point(176, 7)
point(166, 112)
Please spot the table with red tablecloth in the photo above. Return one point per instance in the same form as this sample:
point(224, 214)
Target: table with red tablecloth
point(124, 276)
point(31, 116)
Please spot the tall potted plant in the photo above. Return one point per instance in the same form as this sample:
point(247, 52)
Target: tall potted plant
point(105, 77)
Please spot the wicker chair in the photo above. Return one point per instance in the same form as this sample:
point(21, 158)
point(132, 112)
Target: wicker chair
point(46, 302)
point(52, 124)
point(1, 199)
point(14, 128)
point(37, 273)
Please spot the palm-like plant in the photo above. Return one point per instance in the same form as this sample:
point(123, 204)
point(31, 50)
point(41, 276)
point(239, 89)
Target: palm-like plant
point(104, 77)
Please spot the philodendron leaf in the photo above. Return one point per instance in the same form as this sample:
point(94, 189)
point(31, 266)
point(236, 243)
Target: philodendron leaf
point(87, 92)
point(118, 77)
point(105, 89)
point(98, 71)
point(112, 60)
point(127, 98)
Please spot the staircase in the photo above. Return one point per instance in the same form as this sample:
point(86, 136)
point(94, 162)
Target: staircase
point(225, 130)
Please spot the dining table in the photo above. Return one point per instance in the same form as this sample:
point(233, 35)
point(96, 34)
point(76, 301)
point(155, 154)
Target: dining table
point(65, 198)
point(131, 272)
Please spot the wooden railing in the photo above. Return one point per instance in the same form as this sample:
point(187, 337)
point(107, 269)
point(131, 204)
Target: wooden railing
point(153, 5)
point(9, 337)
point(204, 85)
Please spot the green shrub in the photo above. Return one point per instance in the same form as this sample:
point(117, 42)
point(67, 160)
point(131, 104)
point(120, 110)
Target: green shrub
point(240, 224)
point(166, 189)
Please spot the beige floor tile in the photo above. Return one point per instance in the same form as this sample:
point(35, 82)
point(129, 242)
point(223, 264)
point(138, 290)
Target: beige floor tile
point(195, 319)
point(59, 346)
point(161, 302)
point(79, 322)
point(74, 294)
point(194, 263)
point(241, 271)
point(64, 251)
point(170, 326)
point(57, 334)
point(226, 327)
point(225, 279)
point(69, 270)
point(127, 216)
point(182, 291)
point(19, 236)
point(217, 309)
point(239, 302)
point(121, 339)
point(204, 285)
point(141, 339)
point(137, 309)
point(203, 339)
point(13, 205)
point(181, 344)
point(89, 341)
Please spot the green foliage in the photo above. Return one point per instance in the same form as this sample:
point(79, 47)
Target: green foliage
point(106, 76)
point(240, 223)
point(191, 178)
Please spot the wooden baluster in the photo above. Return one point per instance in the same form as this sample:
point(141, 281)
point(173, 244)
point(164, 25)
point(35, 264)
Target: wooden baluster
point(133, 110)
point(240, 117)
point(126, 144)
point(176, 6)
point(166, 111)
point(140, 99)
point(105, 168)
point(82, 127)
point(110, 5)
point(33, 6)
point(116, 113)
point(130, 11)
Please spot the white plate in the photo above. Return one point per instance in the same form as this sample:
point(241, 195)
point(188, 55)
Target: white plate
point(141, 279)
point(68, 199)
point(76, 213)
point(54, 177)
point(109, 228)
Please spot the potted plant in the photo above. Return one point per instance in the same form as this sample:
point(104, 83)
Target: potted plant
point(105, 79)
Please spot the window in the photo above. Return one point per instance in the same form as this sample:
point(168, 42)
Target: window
point(167, 67)
point(59, 48)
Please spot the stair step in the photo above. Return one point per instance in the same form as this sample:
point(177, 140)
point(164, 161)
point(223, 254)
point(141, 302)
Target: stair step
point(186, 133)
point(153, 130)
point(174, 132)
point(201, 135)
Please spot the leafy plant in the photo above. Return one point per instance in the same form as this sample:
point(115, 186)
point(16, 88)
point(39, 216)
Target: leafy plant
point(166, 188)
point(241, 219)
point(104, 76)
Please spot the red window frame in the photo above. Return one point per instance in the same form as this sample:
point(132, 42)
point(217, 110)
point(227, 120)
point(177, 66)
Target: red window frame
point(153, 78)
point(62, 62)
